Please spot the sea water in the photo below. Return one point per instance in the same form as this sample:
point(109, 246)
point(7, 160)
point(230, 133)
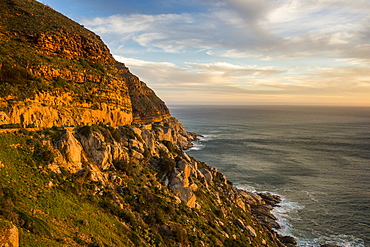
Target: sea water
point(316, 158)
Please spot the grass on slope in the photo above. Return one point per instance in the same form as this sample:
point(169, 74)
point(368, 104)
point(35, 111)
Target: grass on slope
point(49, 208)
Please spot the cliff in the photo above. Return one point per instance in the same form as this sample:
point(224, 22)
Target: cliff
point(54, 72)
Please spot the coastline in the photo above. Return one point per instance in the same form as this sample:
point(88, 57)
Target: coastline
point(226, 144)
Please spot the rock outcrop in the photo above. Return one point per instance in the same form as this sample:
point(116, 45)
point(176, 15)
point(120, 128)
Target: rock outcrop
point(9, 236)
point(60, 109)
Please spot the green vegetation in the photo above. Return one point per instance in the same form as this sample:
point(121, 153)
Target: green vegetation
point(145, 100)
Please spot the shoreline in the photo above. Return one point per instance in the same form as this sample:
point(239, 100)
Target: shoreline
point(277, 222)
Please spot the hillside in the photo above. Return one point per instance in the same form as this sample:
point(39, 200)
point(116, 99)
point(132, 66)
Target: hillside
point(130, 186)
point(90, 156)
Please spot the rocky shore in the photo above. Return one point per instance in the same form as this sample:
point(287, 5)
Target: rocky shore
point(186, 177)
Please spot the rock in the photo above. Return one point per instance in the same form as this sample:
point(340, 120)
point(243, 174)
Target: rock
point(57, 109)
point(239, 224)
point(178, 186)
point(251, 198)
point(136, 145)
point(264, 216)
point(240, 202)
point(270, 199)
point(178, 200)
point(149, 140)
point(9, 234)
point(137, 155)
point(207, 175)
point(288, 240)
point(97, 150)
point(194, 187)
point(186, 170)
point(137, 132)
point(71, 149)
point(251, 231)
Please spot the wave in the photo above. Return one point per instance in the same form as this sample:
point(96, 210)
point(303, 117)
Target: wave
point(288, 211)
point(199, 145)
point(339, 240)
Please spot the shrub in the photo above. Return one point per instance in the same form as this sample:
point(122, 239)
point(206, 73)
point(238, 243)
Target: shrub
point(34, 225)
point(7, 208)
point(166, 164)
point(169, 146)
point(85, 130)
point(126, 131)
point(43, 154)
point(59, 82)
point(115, 134)
point(14, 74)
point(124, 214)
point(126, 167)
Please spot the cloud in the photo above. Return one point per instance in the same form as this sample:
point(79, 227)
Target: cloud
point(240, 71)
point(263, 30)
point(250, 50)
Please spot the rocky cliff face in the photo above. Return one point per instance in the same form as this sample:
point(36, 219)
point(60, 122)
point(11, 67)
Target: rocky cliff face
point(70, 76)
point(9, 236)
point(48, 109)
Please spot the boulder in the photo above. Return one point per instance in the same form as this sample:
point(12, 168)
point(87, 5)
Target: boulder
point(149, 140)
point(186, 170)
point(288, 241)
point(71, 151)
point(178, 186)
point(97, 150)
point(239, 224)
point(207, 175)
point(270, 199)
point(136, 145)
point(251, 198)
point(251, 231)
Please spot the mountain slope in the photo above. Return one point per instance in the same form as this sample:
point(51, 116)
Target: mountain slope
point(54, 72)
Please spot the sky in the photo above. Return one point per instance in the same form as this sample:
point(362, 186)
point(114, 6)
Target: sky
point(285, 52)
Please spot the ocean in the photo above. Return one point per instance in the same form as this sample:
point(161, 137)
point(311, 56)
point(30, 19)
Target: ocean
point(316, 158)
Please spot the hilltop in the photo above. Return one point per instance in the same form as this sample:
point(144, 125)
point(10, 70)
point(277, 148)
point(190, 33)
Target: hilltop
point(90, 156)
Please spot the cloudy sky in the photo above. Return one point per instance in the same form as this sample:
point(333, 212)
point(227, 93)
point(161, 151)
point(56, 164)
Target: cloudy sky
point(238, 51)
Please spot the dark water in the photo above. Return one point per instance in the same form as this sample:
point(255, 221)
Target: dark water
point(317, 158)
